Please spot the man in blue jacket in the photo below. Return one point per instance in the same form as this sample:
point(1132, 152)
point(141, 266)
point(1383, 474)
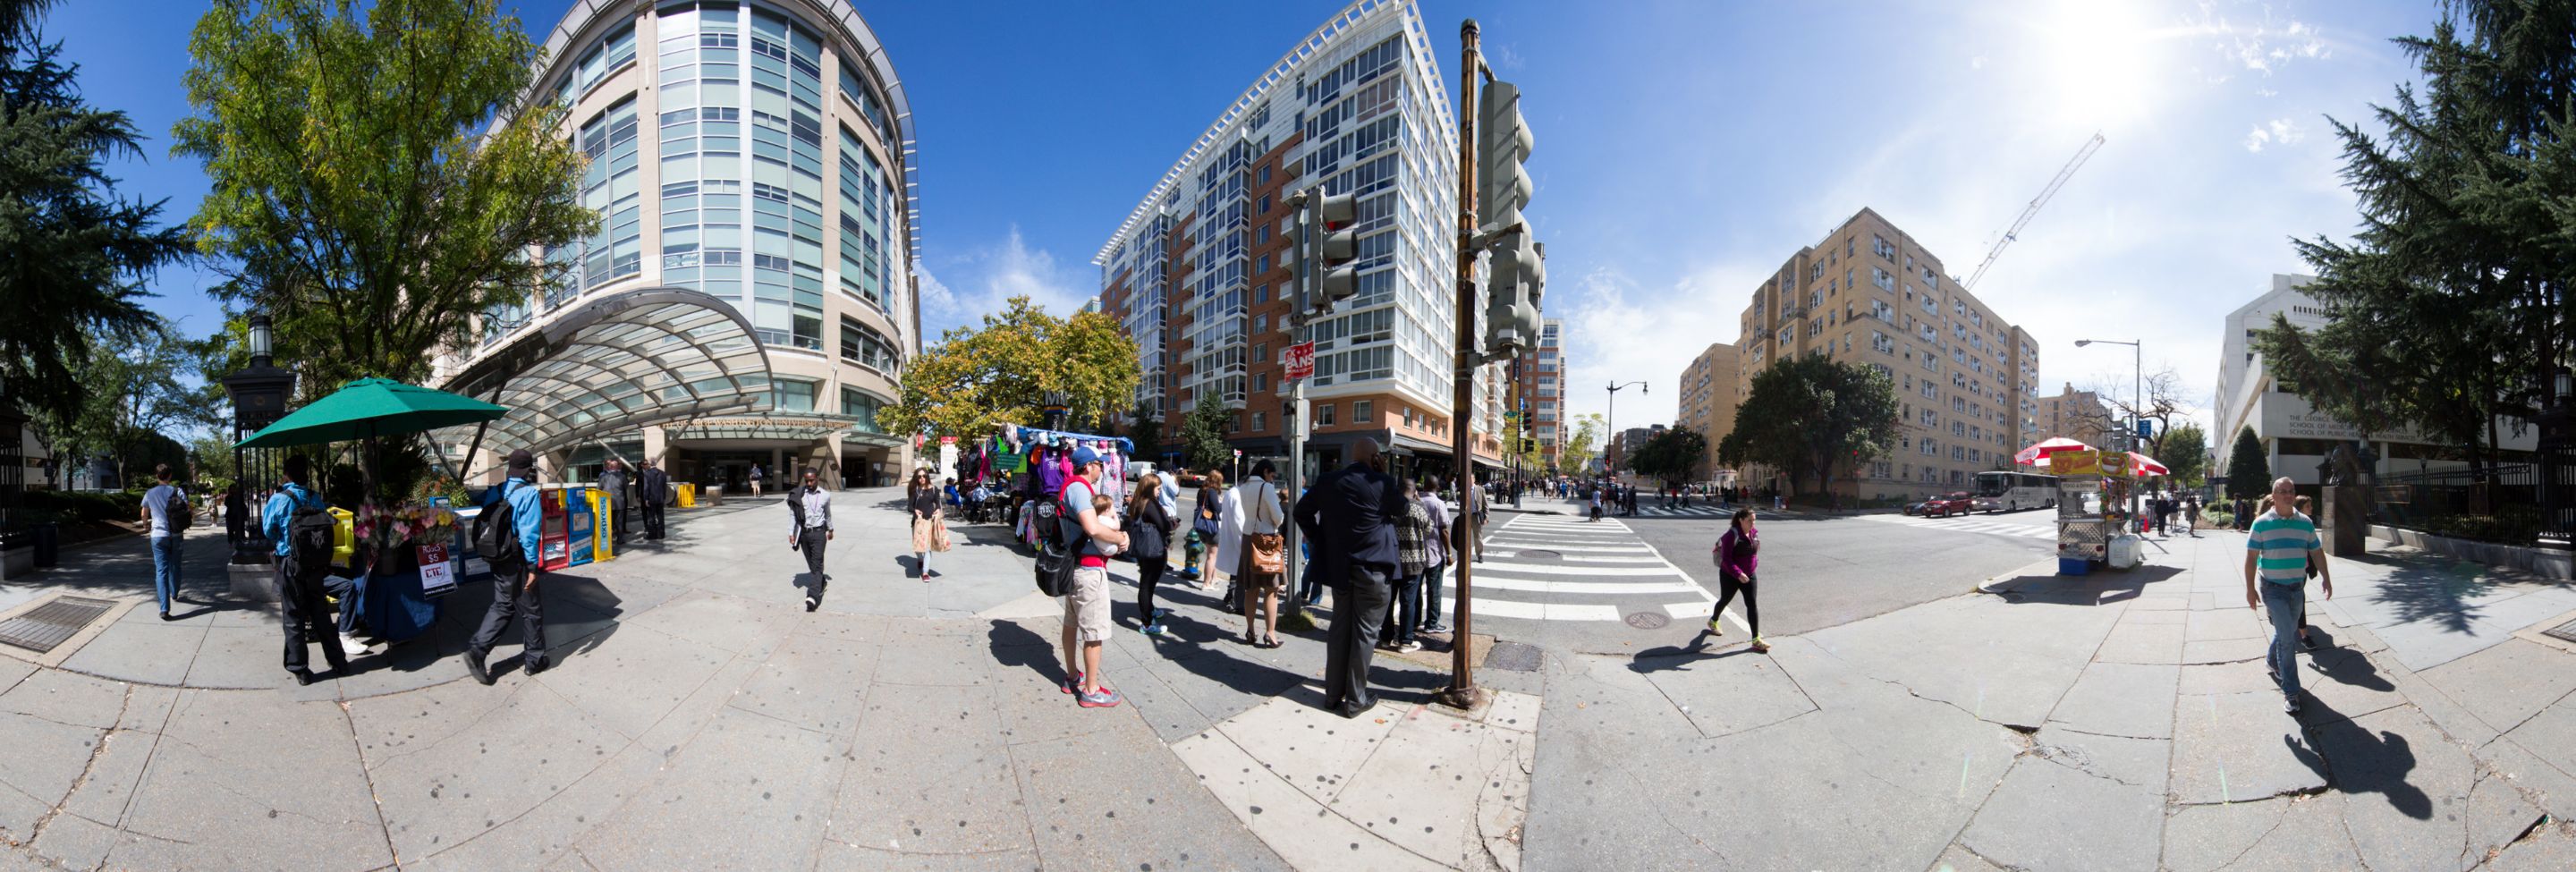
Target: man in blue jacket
point(300, 600)
point(514, 584)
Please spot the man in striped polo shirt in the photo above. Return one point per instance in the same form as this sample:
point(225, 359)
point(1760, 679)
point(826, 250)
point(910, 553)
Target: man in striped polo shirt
point(2279, 548)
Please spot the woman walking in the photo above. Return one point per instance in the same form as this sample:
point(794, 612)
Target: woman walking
point(1210, 527)
point(1735, 555)
point(1260, 558)
point(1149, 531)
point(925, 521)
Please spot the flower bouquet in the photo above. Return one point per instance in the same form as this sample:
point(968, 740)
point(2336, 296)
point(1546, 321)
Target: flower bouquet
point(390, 533)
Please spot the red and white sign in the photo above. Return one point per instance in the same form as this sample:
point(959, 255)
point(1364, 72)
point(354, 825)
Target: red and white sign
point(1301, 360)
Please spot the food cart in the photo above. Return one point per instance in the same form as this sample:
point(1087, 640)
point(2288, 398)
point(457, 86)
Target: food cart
point(2092, 488)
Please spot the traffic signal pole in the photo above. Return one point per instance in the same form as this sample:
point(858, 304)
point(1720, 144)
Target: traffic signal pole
point(1462, 692)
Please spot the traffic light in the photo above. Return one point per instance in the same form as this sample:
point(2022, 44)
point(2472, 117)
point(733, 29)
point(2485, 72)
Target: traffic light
point(1512, 288)
point(1335, 218)
point(1503, 147)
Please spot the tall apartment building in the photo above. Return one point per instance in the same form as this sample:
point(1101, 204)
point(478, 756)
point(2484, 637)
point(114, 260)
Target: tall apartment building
point(1712, 387)
point(748, 297)
point(1966, 381)
point(1201, 272)
point(1540, 388)
point(2074, 414)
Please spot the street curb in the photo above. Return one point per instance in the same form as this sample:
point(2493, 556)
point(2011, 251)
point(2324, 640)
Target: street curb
point(2047, 568)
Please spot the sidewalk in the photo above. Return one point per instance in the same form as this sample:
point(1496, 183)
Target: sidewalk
point(698, 717)
point(2117, 721)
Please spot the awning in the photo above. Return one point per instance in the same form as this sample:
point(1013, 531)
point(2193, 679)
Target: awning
point(613, 364)
point(796, 426)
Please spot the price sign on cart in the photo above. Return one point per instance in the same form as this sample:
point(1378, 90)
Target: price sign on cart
point(1301, 360)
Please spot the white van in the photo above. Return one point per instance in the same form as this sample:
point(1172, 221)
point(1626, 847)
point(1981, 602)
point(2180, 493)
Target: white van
point(1136, 469)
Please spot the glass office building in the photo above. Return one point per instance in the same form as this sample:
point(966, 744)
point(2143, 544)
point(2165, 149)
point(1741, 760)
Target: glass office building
point(759, 153)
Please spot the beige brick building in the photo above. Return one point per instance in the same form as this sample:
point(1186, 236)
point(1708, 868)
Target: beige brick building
point(2074, 414)
point(1966, 380)
point(1711, 387)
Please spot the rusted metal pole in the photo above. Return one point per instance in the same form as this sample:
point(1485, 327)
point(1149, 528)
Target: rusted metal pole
point(1462, 691)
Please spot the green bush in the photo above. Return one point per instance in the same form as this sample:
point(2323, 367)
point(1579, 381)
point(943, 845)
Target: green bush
point(2218, 517)
point(2514, 525)
point(87, 505)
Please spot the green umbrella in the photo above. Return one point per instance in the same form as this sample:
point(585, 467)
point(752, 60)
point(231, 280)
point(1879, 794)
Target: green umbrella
point(370, 407)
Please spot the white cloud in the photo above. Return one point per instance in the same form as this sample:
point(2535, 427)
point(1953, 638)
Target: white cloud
point(1503, 56)
point(2281, 131)
point(995, 273)
point(2263, 47)
point(1618, 331)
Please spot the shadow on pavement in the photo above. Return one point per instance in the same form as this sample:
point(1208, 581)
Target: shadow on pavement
point(2088, 590)
point(1672, 657)
point(2355, 761)
point(2431, 588)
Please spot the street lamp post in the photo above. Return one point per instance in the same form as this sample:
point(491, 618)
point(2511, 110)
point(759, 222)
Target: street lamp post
point(2137, 397)
point(259, 394)
point(1611, 421)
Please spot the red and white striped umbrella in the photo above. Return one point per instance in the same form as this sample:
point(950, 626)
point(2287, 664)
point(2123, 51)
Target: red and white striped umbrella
point(2142, 465)
point(2038, 454)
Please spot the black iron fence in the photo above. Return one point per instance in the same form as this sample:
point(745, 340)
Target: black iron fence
point(2499, 504)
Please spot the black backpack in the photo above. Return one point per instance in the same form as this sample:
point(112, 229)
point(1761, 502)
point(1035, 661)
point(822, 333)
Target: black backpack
point(1056, 557)
point(180, 513)
point(309, 531)
point(496, 533)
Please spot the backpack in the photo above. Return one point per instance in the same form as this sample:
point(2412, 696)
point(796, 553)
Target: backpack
point(1056, 557)
point(177, 511)
point(496, 533)
point(309, 534)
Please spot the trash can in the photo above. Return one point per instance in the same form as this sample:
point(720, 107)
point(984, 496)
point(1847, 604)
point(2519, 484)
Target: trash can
point(49, 543)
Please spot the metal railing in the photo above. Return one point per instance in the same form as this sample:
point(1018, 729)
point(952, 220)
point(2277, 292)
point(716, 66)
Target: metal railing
point(2501, 503)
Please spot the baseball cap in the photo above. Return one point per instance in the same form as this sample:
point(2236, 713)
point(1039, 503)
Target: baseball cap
point(522, 461)
point(1084, 456)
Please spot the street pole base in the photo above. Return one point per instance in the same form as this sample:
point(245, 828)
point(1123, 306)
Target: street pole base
point(1464, 699)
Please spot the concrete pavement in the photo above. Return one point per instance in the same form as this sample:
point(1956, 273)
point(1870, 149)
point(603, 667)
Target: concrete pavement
point(698, 717)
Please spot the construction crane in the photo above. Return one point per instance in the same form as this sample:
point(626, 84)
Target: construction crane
point(2090, 146)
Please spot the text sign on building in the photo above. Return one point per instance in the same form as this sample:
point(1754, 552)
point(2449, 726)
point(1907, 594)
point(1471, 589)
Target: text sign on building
point(1301, 360)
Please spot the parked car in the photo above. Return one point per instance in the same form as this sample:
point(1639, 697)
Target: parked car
point(1915, 507)
point(1958, 503)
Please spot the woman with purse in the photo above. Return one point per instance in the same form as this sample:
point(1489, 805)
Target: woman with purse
point(1736, 561)
point(1262, 565)
point(928, 534)
point(1216, 563)
point(1149, 530)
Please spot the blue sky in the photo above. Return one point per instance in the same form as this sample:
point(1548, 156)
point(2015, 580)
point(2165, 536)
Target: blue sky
point(1685, 149)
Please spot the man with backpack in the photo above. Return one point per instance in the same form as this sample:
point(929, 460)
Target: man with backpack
point(1082, 530)
point(167, 507)
point(301, 525)
point(505, 535)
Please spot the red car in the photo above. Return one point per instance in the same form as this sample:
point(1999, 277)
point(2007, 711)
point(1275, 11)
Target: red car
point(1955, 504)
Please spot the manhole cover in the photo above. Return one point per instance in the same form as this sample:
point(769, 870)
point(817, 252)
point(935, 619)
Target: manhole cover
point(1649, 620)
point(51, 623)
point(1515, 656)
point(1539, 554)
point(2565, 631)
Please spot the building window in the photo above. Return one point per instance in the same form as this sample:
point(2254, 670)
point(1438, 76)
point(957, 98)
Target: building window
point(1261, 424)
point(791, 395)
point(863, 345)
point(1360, 410)
point(1324, 415)
point(857, 404)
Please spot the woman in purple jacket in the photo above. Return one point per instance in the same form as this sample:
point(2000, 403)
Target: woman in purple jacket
point(1736, 559)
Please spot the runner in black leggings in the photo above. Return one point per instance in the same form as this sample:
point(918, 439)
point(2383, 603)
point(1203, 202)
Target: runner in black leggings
point(1736, 563)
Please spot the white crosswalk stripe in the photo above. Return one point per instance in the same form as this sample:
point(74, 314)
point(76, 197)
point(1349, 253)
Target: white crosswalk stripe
point(1970, 525)
point(1595, 571)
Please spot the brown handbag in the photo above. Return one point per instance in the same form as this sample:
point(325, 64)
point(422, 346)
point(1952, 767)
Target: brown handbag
point(1268, 557)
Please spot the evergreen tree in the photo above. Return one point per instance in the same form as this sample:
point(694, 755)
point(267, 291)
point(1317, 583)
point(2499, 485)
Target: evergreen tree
point(2248, 475)
point(1203, 444)
point(76, 254)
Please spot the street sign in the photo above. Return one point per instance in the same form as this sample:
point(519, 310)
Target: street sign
point(1238, 453)
point(1301, 360)
point(2146, 428)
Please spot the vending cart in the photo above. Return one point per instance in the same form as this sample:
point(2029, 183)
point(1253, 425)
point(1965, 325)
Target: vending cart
point(2092, 486)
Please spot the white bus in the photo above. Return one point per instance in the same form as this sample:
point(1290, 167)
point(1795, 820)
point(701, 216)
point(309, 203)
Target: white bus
point(2014, 491)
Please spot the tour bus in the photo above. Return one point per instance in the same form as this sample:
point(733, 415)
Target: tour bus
point(2014, 491)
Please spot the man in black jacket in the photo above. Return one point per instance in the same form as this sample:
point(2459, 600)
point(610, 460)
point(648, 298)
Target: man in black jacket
point(619, 484)
point(1349, 515)
point(657, 493)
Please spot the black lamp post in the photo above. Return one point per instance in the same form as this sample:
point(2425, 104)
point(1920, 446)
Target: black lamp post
point(259, 393)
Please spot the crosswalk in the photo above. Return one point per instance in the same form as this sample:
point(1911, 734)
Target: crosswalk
point(1541, 567)
point(1971, 525)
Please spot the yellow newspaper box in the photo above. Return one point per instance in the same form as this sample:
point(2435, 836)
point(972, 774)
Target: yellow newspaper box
point(344, 537)
point(603, 525)
point(688, 498)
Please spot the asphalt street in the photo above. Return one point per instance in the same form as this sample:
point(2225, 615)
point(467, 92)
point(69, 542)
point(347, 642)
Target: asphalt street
point(1826, 572)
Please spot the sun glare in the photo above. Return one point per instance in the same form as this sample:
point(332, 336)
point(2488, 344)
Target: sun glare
point(2099, 60)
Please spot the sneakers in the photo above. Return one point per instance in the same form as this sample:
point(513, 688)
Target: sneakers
point(1761, 647)
point(1160, 612)
point(1102, 698)
point(1153, 629)
point(351, 644)
point(1435, 628)
point(1715, 629)
point(1409, 645)
point(1073, 682)
point(811, 602)
point(474, 666)
point(2307, 642)
point(2290, 705)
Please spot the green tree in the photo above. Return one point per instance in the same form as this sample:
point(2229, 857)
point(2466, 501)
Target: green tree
point(1203, 444)
point(77, 255)
point(381, 173)
point(2248, 474)
point(1000, 372)
point(130, 394)
point(1145, 428)
point(2449, 307)
point(1581, 447)
point(1813, 416)
point(1671, 455)
point(2185, 452)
